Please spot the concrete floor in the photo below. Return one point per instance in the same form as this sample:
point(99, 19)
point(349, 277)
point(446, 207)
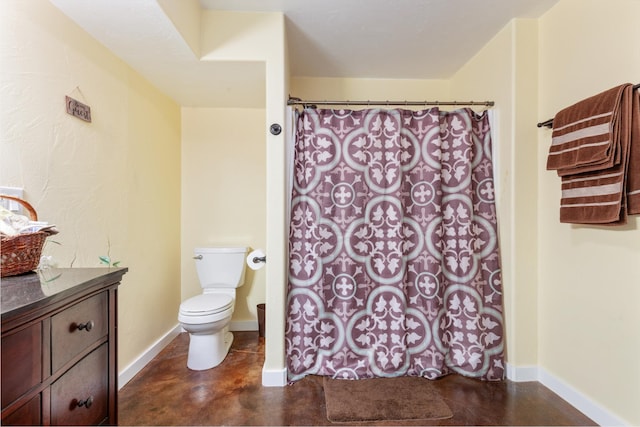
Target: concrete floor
point(165, 392)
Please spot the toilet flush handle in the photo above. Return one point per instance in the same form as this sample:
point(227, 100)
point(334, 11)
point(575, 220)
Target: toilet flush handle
point(197, 257)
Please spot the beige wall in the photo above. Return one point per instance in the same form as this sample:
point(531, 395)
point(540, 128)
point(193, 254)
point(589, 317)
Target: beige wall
point(589, 280)
point(261, 37)
point(505, 71)
point(223, 194)
point(571, 292)
point(319, 89)
point(112, 186)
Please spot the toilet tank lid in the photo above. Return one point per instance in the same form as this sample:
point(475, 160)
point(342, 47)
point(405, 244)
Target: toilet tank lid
point(221, 250)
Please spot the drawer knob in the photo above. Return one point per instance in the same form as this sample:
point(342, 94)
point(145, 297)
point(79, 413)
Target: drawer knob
point(86, 403)
point(86, 326)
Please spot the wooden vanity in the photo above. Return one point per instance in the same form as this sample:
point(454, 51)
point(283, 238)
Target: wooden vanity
point(59, 347)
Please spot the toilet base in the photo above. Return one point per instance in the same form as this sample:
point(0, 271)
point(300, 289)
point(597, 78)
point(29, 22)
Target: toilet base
point(208, 351)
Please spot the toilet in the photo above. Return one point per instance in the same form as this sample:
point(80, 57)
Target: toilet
point(206, 317)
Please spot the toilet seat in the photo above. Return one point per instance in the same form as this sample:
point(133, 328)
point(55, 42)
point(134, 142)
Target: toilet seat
point(206, 309)
point(206, 305)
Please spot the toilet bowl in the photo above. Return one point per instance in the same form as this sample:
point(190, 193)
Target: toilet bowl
point(206, 317)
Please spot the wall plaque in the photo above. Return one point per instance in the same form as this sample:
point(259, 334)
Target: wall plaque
point(78, 109)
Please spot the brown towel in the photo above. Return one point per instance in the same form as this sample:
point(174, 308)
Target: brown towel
point(590, 151)
point(633, 175)
point(586, 135)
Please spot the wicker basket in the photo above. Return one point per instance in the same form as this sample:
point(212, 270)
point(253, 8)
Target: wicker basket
point(21, 253)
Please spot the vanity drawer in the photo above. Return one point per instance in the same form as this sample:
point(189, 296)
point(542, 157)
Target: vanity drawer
point(27, 415)
point(49, 365)
point(81, 395)
point(77, 327)
point(21, 362)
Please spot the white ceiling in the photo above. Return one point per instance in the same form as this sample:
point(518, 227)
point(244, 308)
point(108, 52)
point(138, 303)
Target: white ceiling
point(396, 39)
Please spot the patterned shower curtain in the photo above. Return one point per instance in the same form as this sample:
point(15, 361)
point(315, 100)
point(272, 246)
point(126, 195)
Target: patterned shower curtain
point(394, 267)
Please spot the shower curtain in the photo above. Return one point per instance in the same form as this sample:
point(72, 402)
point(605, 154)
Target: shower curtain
point(394, 267)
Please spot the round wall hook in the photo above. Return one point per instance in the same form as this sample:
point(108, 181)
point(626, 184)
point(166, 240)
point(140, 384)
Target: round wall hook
point(275, 129)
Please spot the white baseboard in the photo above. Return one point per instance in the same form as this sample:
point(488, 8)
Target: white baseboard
point(125, 375)
point(522, 373)
point(274, 377)
point(580, 401)
point(278, 377)
point(575, 398)
point(243, 325)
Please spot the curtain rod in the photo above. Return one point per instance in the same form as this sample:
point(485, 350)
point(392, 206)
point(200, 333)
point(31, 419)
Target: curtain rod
point(549, 123)
point(306, 103)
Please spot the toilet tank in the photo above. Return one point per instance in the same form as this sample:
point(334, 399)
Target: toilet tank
point(220, 267)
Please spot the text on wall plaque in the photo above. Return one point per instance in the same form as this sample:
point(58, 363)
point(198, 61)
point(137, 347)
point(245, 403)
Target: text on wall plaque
point(78, 109)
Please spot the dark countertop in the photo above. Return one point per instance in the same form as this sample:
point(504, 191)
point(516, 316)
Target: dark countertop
point(44, 286)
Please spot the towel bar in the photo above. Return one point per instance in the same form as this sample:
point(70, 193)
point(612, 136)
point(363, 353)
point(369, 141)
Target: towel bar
point(549, 123)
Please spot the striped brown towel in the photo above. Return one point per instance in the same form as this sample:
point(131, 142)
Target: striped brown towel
point(591, 147)
point(633, 174)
